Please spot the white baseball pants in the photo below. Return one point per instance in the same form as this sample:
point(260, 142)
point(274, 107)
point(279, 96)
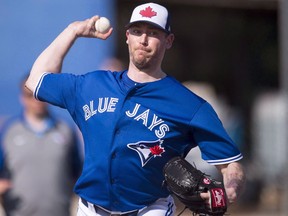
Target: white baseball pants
point(162, 207)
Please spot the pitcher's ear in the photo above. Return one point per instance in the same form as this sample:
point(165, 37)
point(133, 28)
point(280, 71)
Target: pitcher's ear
point(169, 40)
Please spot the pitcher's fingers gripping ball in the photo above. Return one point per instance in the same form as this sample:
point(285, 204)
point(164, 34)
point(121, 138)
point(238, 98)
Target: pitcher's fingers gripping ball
point(102, 25)
point(187, 183)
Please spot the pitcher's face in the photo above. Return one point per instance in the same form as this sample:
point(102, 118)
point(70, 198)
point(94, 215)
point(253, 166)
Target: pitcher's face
point(147, 45)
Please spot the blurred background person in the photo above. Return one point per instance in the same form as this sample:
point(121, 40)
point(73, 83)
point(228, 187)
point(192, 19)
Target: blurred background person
point(39, 161)
point(269, 128)
point(113, 64)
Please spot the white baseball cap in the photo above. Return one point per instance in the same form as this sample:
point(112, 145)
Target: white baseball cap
point(151, 13)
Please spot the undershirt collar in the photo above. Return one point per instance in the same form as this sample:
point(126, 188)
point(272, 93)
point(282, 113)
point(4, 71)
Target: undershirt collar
point(128, 83)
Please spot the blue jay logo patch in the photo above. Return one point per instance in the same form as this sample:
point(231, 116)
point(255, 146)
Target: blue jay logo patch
point(147, 150)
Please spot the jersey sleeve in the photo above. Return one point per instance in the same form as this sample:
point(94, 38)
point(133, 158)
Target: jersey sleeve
point(57, 89)
point(215, 144)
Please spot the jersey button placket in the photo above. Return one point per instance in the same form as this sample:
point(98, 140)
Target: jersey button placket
point(113, 156)
point(117, 131)
point(112, 180)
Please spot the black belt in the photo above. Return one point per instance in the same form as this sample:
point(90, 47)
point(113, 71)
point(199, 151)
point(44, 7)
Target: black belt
point(104, 212)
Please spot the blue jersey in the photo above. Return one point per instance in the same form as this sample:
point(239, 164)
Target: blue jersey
point(131, 130)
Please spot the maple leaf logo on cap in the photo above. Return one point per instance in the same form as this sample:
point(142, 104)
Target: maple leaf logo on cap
point(148, 12)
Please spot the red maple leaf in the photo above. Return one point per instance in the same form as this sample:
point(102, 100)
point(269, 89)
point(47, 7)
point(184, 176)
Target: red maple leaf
point(148, 12)
point(156, 150)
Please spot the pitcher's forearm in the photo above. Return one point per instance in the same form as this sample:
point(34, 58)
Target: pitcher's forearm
point(51, 59)
point(234, 180)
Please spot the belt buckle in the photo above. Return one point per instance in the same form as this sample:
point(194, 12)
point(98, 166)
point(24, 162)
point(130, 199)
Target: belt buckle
point(105, 212)
point(125, 214)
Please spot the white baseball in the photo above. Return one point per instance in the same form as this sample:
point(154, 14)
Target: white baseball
point(102, 25)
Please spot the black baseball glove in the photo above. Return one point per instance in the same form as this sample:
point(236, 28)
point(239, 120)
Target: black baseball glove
point(186, 183)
